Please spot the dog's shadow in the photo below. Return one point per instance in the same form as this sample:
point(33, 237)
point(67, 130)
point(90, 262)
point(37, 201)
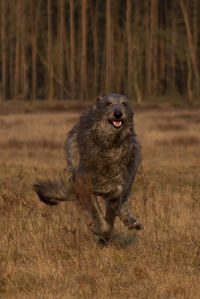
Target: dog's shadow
point(124, 239)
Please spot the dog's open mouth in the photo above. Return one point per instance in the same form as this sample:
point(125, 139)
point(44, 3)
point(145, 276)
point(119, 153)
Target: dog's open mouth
point(116, 123)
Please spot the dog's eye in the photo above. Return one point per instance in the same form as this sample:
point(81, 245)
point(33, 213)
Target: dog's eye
point(124, 103)
point(108, 103)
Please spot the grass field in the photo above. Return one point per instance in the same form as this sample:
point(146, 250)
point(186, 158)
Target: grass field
point(46, 252)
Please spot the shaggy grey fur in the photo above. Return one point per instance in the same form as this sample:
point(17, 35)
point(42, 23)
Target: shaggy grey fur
point(103, 155)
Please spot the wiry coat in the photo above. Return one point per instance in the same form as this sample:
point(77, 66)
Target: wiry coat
point(102, 149)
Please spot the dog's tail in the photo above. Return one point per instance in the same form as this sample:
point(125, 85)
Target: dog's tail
point(52, 191)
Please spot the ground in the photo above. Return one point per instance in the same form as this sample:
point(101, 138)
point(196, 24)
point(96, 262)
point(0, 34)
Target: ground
point(46, 252)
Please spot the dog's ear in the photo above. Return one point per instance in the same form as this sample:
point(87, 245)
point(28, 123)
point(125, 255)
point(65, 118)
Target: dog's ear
point(97, 101)
point(99, 98)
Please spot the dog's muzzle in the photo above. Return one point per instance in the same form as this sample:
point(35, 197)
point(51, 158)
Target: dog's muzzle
point(117, 120)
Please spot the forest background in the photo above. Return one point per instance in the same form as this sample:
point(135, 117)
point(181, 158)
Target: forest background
point(77, 49)
point(55, 58)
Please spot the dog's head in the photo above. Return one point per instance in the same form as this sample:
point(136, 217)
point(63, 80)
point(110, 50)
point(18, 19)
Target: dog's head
point(113, 116)
point(116, 110)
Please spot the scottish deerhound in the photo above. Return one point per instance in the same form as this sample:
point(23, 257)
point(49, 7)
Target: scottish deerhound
point(103, 155)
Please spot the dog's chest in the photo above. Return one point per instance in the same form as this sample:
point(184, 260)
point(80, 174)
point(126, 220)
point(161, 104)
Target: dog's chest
point(115, 155)
point(113, 162)
point(112, 173)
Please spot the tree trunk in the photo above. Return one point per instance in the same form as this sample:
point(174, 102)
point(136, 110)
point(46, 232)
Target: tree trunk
point(189, 80)
point(61, 50)
point(148, 51)
point(34, 51)
point(154, 43)
point(50, 81)
point(17, 82)
point(25, 63)
point(195, 24)
point(4, 49)
point(137, 56)
point(96, 50)
point(129, 49)
point(84, 49)
point(174, 45)
point(196, 30)
point(72, 50)
point(191, 46)
point(152, 49)
point(109, 40)
point(120, 70)
point(162, 56)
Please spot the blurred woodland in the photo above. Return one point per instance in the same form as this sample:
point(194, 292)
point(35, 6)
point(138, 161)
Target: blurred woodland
point(77, 49)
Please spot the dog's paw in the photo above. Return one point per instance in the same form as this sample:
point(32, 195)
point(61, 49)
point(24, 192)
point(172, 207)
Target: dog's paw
point(134, 224)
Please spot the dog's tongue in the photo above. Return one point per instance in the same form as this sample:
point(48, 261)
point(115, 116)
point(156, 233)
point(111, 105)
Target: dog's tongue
point(117, 123)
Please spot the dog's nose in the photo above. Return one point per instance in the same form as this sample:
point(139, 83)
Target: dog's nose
point(117, 114)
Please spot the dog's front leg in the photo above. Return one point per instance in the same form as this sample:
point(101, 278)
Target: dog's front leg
point(89, 204)
point(102, 225)
point(112, 206)
point(126, 216)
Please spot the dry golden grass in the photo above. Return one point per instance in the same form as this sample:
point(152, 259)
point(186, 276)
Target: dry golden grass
point(47, 252)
